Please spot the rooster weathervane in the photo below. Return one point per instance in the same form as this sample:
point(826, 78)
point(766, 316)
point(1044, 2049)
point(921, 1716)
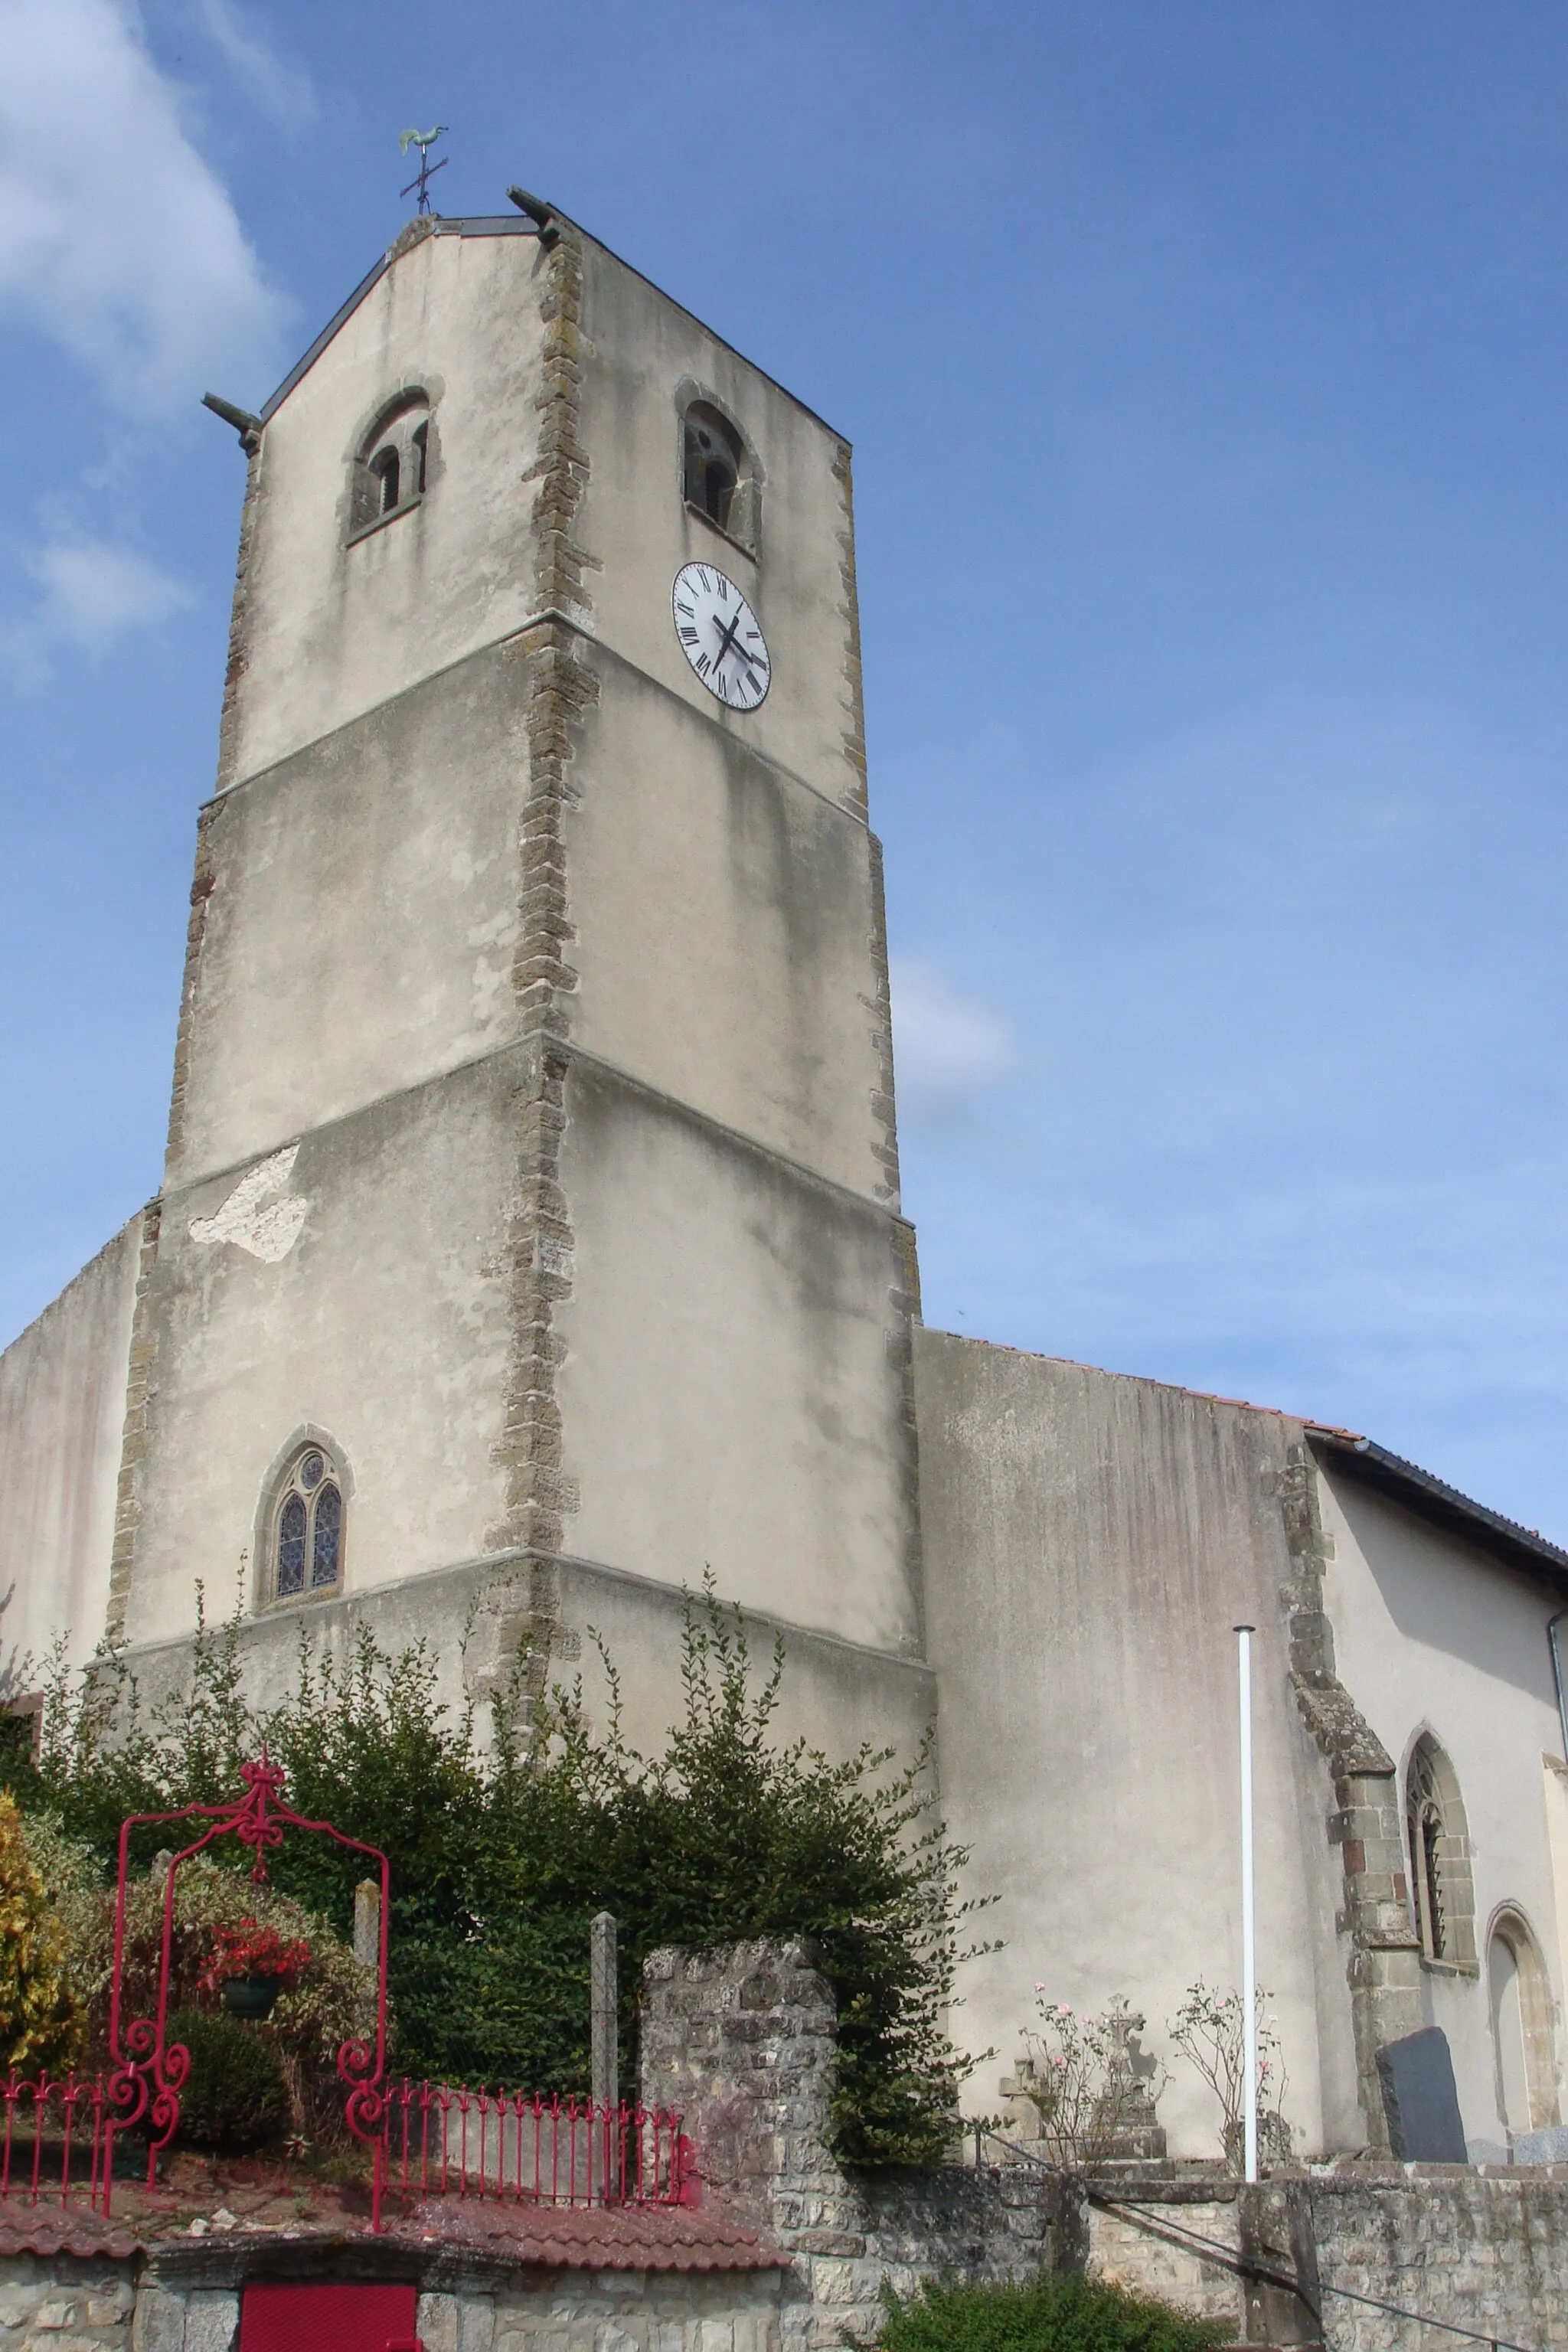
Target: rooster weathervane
point(424, 141)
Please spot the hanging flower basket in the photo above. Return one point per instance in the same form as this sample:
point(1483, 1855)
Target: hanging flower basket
point(251, 1966)
point(255, 1997)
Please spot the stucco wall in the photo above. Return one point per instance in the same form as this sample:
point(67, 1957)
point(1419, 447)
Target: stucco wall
point(1089, 1542)
point(1434, 1637)
point(833, 1694)
point(359, 929)
point(730, 1387)
point(383, 1327)
point(645, 350)
point(62, 1408)
point(723, 911)
point(333, 629)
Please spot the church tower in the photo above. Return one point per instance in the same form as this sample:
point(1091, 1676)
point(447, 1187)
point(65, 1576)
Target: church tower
point(530, 1220)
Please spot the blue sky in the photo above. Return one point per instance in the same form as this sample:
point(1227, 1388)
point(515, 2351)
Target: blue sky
point(1206, 369)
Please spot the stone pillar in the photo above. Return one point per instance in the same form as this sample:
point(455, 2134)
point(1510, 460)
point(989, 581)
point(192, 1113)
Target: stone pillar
point(605, 2011)
point(367, 1922)
point(740, 2042)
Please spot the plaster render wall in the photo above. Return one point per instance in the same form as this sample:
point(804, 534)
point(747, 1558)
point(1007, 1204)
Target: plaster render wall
point(731, 1387)
point(384, 1326)
point(833, 1694)
point(333, 629)
point(724, 918)
point(642, 350)
point(1089, 1542)
point(1433, 1635)
point(360, 931)
point(62, 1407)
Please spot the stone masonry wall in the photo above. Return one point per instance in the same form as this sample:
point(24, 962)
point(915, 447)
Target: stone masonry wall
point(742, 2041)
point(58, 2304)
point(1483, 2251)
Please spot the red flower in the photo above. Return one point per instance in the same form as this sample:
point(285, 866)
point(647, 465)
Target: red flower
point(248, 1951)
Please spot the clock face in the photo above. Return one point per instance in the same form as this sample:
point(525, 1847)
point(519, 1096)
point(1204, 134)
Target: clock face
point(719, 637)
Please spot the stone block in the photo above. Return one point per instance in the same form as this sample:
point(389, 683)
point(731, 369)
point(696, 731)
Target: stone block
point(212, 2321)
point(159, 2324)
point(53, 2314)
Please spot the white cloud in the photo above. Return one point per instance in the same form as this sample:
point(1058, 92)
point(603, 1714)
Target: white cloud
point(115, 237)
point(946, 1048)
point(94, 592)
point(282, 87)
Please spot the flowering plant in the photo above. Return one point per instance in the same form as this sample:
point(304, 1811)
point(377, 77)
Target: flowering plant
point(248, 1951)
point(1089, 2080)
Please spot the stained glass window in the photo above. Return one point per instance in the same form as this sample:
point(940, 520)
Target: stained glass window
point(291, 1547)
point(324, 1547)
point(309, 1527)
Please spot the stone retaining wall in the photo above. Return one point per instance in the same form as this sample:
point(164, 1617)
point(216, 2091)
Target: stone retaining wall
point(58, 2304)
point(1483, 2250)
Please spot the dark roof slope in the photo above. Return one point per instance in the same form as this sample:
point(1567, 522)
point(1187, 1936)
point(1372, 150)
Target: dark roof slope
point(1418, 1492)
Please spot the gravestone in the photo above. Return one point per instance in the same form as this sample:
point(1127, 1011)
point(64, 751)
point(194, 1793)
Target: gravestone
point(1422, 2104)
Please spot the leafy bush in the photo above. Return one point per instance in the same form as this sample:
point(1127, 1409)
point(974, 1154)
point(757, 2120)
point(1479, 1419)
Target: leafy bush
point(41, 2020)
point(502, 1849)
point(1062, 2311)
point(234, 2097)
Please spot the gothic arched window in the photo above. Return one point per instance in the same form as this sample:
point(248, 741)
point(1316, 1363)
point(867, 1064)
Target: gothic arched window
point(308, 1528)
point(391, 469)
point(1441, 1888)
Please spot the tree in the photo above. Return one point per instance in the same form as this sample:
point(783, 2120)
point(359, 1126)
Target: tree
point(41, 2023)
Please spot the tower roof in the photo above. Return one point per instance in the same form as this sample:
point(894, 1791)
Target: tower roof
point(492, 225)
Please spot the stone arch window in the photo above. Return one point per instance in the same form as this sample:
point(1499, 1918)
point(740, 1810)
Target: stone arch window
point(1524, 2055)
point(1441, 1887)
point(720, 476)
point(391, 468)
point(306, 1547)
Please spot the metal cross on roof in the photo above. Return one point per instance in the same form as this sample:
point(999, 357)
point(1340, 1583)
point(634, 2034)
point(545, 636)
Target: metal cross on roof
point(424, 141)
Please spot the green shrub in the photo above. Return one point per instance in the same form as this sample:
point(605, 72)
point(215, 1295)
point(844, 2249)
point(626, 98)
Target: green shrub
point(1062, 2311)
point(234, 2097)
point(503, 1849)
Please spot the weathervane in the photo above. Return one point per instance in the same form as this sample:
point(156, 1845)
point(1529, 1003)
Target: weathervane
point(424, 141)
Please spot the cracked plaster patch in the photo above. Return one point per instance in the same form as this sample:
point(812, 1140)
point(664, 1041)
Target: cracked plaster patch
point(268, 1232)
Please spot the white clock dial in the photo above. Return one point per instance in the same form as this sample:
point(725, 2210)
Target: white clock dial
point(720, 636)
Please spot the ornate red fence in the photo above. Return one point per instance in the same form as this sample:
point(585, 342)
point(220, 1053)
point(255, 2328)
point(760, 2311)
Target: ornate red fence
point(449, 2142)
point(438, 2139)
point(58, 2140)
point(425, 2138)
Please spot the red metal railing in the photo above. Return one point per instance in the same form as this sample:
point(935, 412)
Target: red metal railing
point(442, 2140)
point(438, 2139)
point(58, 2140)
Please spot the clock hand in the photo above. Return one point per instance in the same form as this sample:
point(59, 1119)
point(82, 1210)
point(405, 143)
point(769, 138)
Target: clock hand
point(727, 642)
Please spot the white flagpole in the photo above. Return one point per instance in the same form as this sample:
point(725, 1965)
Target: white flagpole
point(1249, 1952)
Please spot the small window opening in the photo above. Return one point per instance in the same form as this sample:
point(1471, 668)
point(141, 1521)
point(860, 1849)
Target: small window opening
point(392, 471)
point(308, 1545)
point(713, 458)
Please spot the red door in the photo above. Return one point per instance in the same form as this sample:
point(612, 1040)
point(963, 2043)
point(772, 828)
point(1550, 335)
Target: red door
point(328, 2319)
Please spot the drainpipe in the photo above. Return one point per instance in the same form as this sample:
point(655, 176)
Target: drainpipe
point(1557, 1679)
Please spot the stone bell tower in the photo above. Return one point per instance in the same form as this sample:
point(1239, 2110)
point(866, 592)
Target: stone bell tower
point(531, 1180)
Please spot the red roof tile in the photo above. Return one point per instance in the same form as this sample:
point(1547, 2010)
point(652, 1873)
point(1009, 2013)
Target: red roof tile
point(47, 2229)
point(605, 2238)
